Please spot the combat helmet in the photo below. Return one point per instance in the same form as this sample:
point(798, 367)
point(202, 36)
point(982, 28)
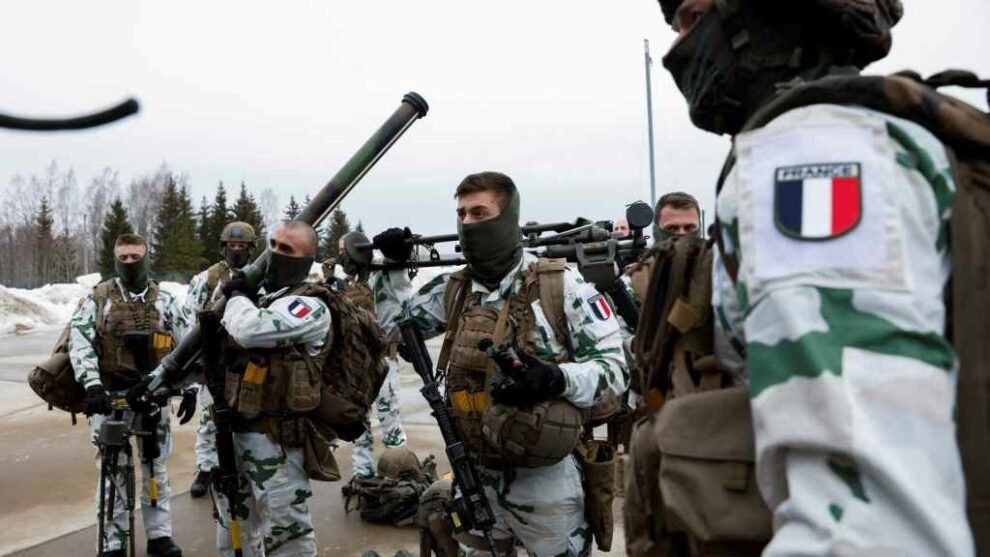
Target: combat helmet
point(864, 25)
point(237, 231)
point(399, 463)
point(534, 436)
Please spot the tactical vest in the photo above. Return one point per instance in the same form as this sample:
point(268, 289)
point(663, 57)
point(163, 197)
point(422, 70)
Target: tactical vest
point(493, 433)
point(357, 290)
point(280, 381)
point(124, 316)
point(218, 274)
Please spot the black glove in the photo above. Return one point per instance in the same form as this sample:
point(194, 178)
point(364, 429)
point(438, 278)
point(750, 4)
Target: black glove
point(540, 381)
point(136, 396)
point(187, 408)
point(392, 243)
point(238, 286)
point(96, 401)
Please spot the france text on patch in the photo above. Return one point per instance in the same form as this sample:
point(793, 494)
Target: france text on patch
point(818, 201)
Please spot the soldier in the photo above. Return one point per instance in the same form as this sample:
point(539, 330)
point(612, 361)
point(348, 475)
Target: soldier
point(580, 360)
point(131, 302)
point(357, 287)
point(677, 214)
point(237, 245)
point(269, 342)
point(829, 278)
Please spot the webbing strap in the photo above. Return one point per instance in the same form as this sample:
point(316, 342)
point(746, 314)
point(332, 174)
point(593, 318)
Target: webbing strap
point(453, 319)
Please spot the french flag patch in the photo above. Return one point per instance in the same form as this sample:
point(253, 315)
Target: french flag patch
point(299, 309)
point(818, 201)
point(599, 306)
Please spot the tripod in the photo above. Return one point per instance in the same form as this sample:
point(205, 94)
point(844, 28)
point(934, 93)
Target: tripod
point(113, 440)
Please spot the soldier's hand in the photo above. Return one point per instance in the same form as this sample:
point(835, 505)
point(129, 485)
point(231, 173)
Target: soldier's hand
point(238, 285)
point(136, 396)
point(187, 408)
point(96, 401)
point(392, 243)
point(540, 381)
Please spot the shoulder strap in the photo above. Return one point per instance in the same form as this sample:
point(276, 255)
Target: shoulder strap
point(550, 280)
point(102, 293)
point(453, 303)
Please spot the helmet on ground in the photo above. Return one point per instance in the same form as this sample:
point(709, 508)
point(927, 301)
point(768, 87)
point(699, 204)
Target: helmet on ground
point(399, 463)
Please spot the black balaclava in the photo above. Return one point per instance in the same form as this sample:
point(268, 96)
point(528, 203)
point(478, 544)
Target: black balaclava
point(134, 275)
point(236, 259)
point(729, 64)
point(286, 270)
point(493, 247)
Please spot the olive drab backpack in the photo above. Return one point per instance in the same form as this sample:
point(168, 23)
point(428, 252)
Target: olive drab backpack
point(965, 132)
point(54, 379)
point(354, 369)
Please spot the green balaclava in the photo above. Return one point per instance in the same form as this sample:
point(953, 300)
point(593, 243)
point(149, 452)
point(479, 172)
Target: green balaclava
point(236, 259)
point(493, 247)
point(134, 276)
point(286, 270)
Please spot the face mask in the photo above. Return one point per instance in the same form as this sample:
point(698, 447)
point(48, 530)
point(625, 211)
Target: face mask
point(285, 270)
point(348, 265)
point(134, 275)
point(492, 247)
point(236, 259)
point(705, 68)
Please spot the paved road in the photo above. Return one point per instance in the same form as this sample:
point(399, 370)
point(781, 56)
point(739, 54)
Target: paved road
point(48, 472)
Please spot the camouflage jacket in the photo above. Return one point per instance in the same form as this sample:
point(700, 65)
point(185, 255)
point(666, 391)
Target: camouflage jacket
point(597, 365)
point(83, 328)
point(278, 321)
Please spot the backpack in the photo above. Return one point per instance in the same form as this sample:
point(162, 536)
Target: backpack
point(354, 368)
point(389, 500)
point(54, 380)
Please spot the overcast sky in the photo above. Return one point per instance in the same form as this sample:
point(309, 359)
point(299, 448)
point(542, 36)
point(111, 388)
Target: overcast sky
point(280, 94)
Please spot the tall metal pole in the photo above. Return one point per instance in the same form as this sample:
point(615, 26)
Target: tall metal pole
point(649, 120)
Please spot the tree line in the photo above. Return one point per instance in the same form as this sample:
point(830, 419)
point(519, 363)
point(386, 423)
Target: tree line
point(51, 230)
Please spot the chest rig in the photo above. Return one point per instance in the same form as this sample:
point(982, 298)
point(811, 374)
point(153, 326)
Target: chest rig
point(125, 316)
point(469, 371)
point(357, 290)
point(282, 381)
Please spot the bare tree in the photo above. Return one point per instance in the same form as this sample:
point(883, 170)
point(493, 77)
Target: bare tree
point(270, 212)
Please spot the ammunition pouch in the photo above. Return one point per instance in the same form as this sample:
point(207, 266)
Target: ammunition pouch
point(599, 465)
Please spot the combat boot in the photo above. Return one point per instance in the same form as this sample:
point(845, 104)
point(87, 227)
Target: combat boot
point(163, 547)
point(201, 484)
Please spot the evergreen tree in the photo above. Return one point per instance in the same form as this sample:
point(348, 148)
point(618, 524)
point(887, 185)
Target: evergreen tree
point(202, 220)
point(246, 210)
point(359, 228)
point(338, 226)
point(44, 238)
point(293, 209)
point(175, 248)
point(218, 217)
point(114, 224)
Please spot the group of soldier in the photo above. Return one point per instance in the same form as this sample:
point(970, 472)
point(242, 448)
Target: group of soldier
point(815, 311)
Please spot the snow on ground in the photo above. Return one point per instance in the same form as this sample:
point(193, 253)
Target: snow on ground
point(52, 305)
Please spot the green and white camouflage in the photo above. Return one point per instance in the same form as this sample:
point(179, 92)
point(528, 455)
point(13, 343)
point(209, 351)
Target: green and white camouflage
point(387, 404)
point(542, 507)
point(273, 481)
point(851, 377)
point(82, 355)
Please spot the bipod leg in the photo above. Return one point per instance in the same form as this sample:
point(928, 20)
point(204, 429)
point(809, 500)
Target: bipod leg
point(114, 454)
point(101, 514)
point(131, 495)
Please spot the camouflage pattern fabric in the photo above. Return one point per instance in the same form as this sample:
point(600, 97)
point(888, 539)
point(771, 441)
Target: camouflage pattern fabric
point(198, 298)
point(851, 377)
point(273, 491)
point(158, 519)
point(543, 507)
point(273, 480)
point(83, 328)
point(390, 418)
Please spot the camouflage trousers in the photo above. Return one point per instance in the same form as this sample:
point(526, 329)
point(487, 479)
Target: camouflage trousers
point(206, 434)
point(390, 418)
point(157, 519)
point(541, 507)
point(272, 492)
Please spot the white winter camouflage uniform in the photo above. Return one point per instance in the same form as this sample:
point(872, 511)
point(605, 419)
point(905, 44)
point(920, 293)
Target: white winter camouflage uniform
point(851, 377)
point(542, 507)
point(273, 483)
point(387, 403)
point(82, 355)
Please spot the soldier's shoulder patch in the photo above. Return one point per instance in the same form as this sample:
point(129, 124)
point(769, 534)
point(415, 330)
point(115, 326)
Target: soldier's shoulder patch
point(299, 308)
point(600, 307)
point(818, 201)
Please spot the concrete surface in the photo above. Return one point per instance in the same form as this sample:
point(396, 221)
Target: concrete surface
point(48, 472)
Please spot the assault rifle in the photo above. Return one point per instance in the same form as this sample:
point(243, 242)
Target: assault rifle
point(138, 343)
point(471, 508)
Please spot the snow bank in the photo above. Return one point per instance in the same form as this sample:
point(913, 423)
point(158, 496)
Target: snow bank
point(51, 306)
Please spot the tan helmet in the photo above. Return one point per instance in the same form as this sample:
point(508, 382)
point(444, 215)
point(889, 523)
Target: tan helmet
point(237, 231)
point(435, 526)
point(532, 437)
point(864, 24)
point(399, 463)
